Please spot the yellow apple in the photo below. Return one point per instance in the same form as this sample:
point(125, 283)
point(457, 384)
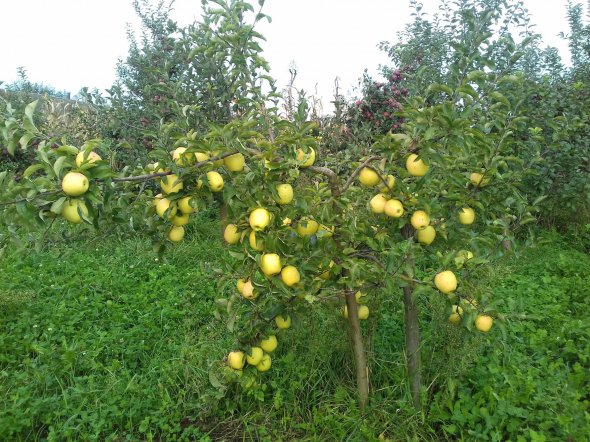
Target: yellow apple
point(270, 264)
point(290, 276)
point(415, 166)
point(157, 199)
point(285, 192)
point(75, 184)
point(457, 314)
point(180, 220)
point(479, 180)
point(240, 285)
point(368, 177)
point(394, 208)
point(231, 234)
point(69, 210)
point(248, 290)
point(466, 215)
point(484, 323)
point(446, 282)
point(363, 312)
point(87, 159)
point(171, 184)
point(176, 234)
point(264, 364)
point(184, 204)
point(358, 296)
point(255, 243)
point(215, 181)
point(201, 157)
point(307, 227)
point(259, 219)
point(326, 274)
point(426, 235)
point(181, 158)
point(420, 219)
point(378, 203)
point(254, 356)
point(306, 159)
point(234, 163)
point(166, 205)
point(269, 344)
point(236, 360)
point(282, 322)
point(390, 184)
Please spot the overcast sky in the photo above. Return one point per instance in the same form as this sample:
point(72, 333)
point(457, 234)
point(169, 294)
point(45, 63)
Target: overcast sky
point(69, 44)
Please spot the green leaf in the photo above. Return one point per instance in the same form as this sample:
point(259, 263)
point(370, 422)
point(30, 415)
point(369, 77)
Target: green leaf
point(32, 169)
point(57, 205)
point(59, 163)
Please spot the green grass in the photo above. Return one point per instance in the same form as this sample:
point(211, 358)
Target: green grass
point(103, 341)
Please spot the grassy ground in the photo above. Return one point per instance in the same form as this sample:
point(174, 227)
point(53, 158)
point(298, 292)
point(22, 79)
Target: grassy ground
point(102, 341)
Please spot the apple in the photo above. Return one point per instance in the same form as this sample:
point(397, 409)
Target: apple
point(184, 204)
point(269, 344)
point(466, 215)
point(420, 219)
point(326, 274)
point(446, 282)
point(264, 364)
point(236, 360)
point(179, 220)
point(307, 227)
point(181, 158)
point(75, 184)
point(479, 180)
point(235, 162)
point(176, 234)
point(368, 177)
point(426, 235)
point(415, 166)
point(87, 159)
point(171, 184)
point(457, 314)
point(255, 243)
point(201, 157)
point(270, 264)
point(231, 234)
point(157, 199)
point(259, 219)
point(363, 312)
point(358, 296)
point(215, 181)
point(69, 210)
point(166, 205)
point(290, 276)
point(305, 159)
point(394, 208)
point(215, 154)
point(283, 323)
point(378, 203)
point(390, 184)
point(240, 285)
point(248, 291)
point(254, 356)
point(285, 192)
point(484, 323)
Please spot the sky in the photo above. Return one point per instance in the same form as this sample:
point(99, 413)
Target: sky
point(68, 44)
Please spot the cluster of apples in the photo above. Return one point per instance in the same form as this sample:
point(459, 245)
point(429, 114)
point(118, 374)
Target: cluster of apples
point(381, 203)
point(363, 310)
point(75, 184)
point(258, 355)
point(176, 208)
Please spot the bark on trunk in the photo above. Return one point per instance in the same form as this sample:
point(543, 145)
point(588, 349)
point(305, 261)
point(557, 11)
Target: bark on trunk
point(412, 332)
point(362, 375)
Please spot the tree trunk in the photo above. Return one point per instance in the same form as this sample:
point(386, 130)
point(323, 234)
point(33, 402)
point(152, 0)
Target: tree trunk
point(362, 374)
point(412, 332)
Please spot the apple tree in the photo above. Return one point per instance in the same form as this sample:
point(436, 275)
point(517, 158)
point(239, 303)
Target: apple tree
point(407, 215)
